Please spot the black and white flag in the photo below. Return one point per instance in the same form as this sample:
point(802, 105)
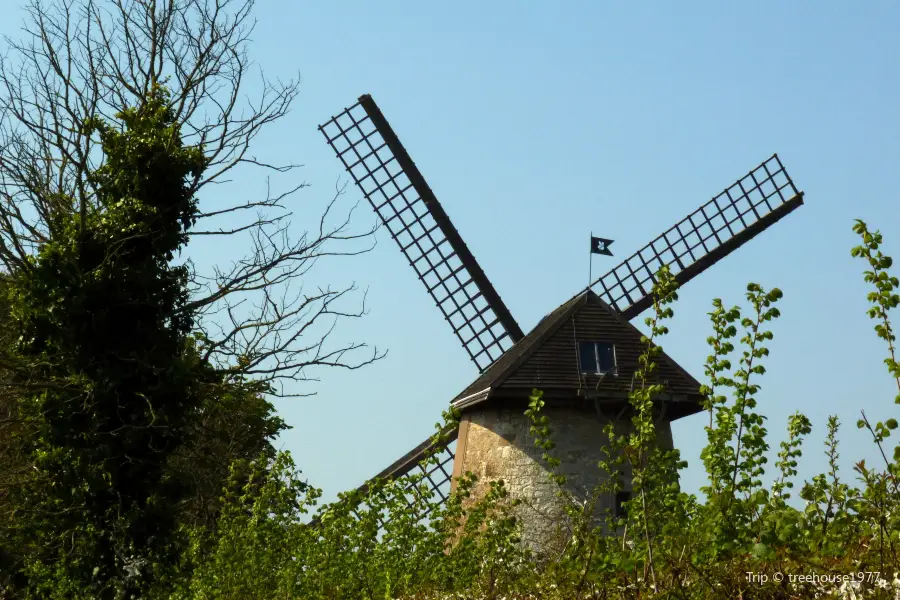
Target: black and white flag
point(601, 246)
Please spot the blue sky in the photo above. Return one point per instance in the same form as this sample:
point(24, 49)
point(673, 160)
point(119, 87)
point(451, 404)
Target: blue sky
point(536, 123)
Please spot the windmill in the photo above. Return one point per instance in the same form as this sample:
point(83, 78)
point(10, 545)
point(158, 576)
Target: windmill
point(582, 354)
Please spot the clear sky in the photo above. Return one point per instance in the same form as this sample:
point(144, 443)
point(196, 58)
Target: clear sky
point(538, 122)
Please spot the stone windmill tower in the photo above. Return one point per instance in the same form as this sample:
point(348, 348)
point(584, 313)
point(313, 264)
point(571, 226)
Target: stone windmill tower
point(582, 354)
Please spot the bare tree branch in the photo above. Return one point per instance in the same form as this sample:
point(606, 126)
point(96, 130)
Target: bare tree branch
point(82, 60)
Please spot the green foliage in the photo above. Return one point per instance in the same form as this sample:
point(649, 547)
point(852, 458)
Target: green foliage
point(266, 547)
point(745, 539)
point(233, 426)
point(884, 297)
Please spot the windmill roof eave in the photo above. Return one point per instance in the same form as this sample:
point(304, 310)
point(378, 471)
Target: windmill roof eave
point(471, 399)
point(678, 405)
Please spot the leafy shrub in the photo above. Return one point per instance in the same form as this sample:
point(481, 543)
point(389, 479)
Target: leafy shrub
point(744, 540)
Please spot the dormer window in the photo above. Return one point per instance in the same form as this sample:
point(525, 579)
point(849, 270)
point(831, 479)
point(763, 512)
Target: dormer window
point(596, 358)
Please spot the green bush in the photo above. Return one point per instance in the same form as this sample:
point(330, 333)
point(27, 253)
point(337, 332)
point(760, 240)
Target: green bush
point(744, 540)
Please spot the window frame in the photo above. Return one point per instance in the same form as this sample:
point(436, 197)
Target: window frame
point(595, 345)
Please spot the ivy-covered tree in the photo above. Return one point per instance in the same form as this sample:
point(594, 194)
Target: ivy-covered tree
point(130, 381)
point(80, 61)
point(105, 359)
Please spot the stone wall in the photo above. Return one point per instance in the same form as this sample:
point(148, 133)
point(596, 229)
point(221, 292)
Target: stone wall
point(495, 444)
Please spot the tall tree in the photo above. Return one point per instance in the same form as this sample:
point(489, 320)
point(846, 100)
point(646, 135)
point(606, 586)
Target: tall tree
point(104, 347)
point(130, 380)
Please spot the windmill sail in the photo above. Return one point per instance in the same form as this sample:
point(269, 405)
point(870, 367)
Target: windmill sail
point(738, 214)
point(437, 475)
point(380, 166)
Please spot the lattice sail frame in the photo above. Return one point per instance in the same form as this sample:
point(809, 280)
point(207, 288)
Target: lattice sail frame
point(437, 475)
point(747, 207)
point(380, 166)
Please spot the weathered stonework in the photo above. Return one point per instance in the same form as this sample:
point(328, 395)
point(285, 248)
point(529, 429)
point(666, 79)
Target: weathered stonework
point(495, 443)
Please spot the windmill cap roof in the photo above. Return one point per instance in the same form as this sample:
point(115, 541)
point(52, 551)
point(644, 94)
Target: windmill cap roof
point(541, 359)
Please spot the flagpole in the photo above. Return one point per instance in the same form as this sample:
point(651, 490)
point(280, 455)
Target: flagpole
point(590, 265)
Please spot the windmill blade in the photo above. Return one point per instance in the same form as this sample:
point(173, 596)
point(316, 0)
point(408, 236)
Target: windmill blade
point(393, 185)
point(741, 212)
point(437, 475)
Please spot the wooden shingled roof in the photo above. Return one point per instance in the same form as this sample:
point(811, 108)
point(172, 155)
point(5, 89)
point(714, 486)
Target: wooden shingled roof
point(547, 359)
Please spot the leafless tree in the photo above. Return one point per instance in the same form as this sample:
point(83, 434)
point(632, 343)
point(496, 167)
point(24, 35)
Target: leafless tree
point(85, 59)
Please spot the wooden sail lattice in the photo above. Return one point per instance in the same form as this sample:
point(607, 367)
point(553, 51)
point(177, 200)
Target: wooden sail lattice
point(743, 210)
point(382, 169)
point(436, 474)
